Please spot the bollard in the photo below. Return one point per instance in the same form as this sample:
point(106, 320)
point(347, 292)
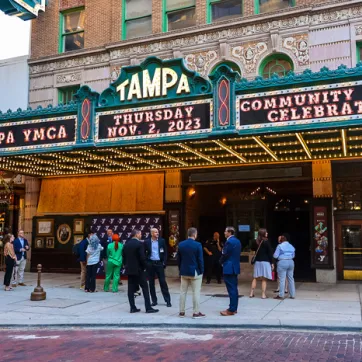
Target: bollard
point(38, 293)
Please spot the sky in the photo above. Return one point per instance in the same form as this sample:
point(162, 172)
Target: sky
point(14, 36)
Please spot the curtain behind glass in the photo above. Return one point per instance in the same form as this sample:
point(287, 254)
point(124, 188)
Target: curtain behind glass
point(273, 5)
point(178, 4)
point(138, 8)
point(225, 10)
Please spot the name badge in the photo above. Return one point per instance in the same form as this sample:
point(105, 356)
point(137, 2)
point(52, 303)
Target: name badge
point(161, 250)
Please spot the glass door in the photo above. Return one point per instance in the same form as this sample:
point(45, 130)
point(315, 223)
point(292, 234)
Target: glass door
point(349, 249)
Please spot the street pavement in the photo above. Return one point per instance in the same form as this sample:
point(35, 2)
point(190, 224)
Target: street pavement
point(182, 345)
point(317, 306)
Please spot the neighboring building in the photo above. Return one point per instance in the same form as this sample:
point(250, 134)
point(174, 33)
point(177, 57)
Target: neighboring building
point(285, 170)
point(14, 83)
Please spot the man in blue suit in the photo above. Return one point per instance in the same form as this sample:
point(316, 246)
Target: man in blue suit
point(230, 261)
point(21, 246)
point(191, 266)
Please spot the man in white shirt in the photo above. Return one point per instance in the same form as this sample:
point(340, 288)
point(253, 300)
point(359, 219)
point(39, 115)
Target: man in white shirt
point(21, 246)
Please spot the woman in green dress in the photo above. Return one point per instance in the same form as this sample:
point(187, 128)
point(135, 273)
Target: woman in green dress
point(114, 254)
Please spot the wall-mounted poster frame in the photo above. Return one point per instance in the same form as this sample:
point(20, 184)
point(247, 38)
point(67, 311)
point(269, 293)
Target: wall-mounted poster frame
point(321, 234)
point(78, 226)
point(45, 227)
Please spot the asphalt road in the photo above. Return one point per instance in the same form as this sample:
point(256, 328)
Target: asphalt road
point(177, 345)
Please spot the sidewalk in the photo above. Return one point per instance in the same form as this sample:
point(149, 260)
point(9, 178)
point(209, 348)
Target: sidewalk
point(318, 306)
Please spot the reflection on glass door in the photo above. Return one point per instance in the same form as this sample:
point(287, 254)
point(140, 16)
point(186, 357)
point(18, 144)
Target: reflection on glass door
point(351, 250)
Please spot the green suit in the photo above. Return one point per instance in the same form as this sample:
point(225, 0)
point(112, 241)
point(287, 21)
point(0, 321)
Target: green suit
point(113, 267)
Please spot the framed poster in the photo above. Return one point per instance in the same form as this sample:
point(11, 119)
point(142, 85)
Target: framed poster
point(78, 226)
point(321, 236)
point(77, 239)
point(49, 242)
point(64, 233)
point(45, 227)
point(39, 242)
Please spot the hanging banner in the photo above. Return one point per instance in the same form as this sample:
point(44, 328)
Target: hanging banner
point(154, 121)
point(317, 104)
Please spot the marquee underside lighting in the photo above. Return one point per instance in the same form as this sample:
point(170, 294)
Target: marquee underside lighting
point(228, 151)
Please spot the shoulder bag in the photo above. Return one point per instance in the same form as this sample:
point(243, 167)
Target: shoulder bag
point(253, 259)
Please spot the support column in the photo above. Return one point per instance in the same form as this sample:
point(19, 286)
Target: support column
point(326, 271)
point(32, 191)
point(173, 208)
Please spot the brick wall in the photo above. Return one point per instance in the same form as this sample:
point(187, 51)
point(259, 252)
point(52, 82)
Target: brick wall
point(98, 24)
point(44, 32)
point(70, 4)
point(103, 22)
point(156, 16)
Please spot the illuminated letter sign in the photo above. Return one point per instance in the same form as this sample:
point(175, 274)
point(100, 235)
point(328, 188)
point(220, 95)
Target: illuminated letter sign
point(157, 121)
point(313, 104)
point(38, 133)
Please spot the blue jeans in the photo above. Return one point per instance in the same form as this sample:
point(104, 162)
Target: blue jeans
point(286, 270)
point(231, 282)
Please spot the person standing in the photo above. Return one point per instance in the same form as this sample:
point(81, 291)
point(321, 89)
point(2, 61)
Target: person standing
point(93, 251)
point(10, 260)
point(213, 251)
point(285, 253)
point(134, 261)
point(191, 266)
point(263, 263)
point(105, 242)
point(230, 261)
point(156, 255)
point(114, 255)
point(21, 246)
point(82, 247)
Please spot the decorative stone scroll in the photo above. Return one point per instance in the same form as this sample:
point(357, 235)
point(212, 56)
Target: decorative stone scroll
point(299, 46)
point(200, 62)
point(249, 54)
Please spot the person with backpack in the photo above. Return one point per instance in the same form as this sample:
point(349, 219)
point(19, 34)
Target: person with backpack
point(93, 256)
point(79, 251)
point(114, 256)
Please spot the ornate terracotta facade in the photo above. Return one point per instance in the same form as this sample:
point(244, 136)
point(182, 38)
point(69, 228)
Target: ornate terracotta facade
point(312, 37)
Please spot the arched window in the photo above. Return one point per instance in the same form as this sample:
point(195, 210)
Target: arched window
point(265, 6)
point(279, 63)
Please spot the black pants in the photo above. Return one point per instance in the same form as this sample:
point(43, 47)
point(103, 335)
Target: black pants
point(90, 280)
point(9, 262)
point(156, 268)
point(133, 282)
point(213, 265)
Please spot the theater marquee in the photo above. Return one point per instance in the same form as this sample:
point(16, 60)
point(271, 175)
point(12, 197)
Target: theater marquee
point(38, 133)
point(154, 121)
point(326, 103)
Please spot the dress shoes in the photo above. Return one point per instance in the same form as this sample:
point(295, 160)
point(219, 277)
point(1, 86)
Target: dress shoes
point(154, 304)
point(135, 310)
point(198, 315)
point(169, 305)
point(227, 313)
point(151, 310)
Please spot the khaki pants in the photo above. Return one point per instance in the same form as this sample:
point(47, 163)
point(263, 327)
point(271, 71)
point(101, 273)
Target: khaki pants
point(195, 283)
point(83, 272)
point(18, 273)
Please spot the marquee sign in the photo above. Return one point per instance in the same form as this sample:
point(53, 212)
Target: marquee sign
point(155, 121)
point(24, 9)
point(40, 133)
point(334, 102)
point(155, 80)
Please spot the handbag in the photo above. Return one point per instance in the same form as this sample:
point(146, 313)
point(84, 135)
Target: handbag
point(253, 259)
